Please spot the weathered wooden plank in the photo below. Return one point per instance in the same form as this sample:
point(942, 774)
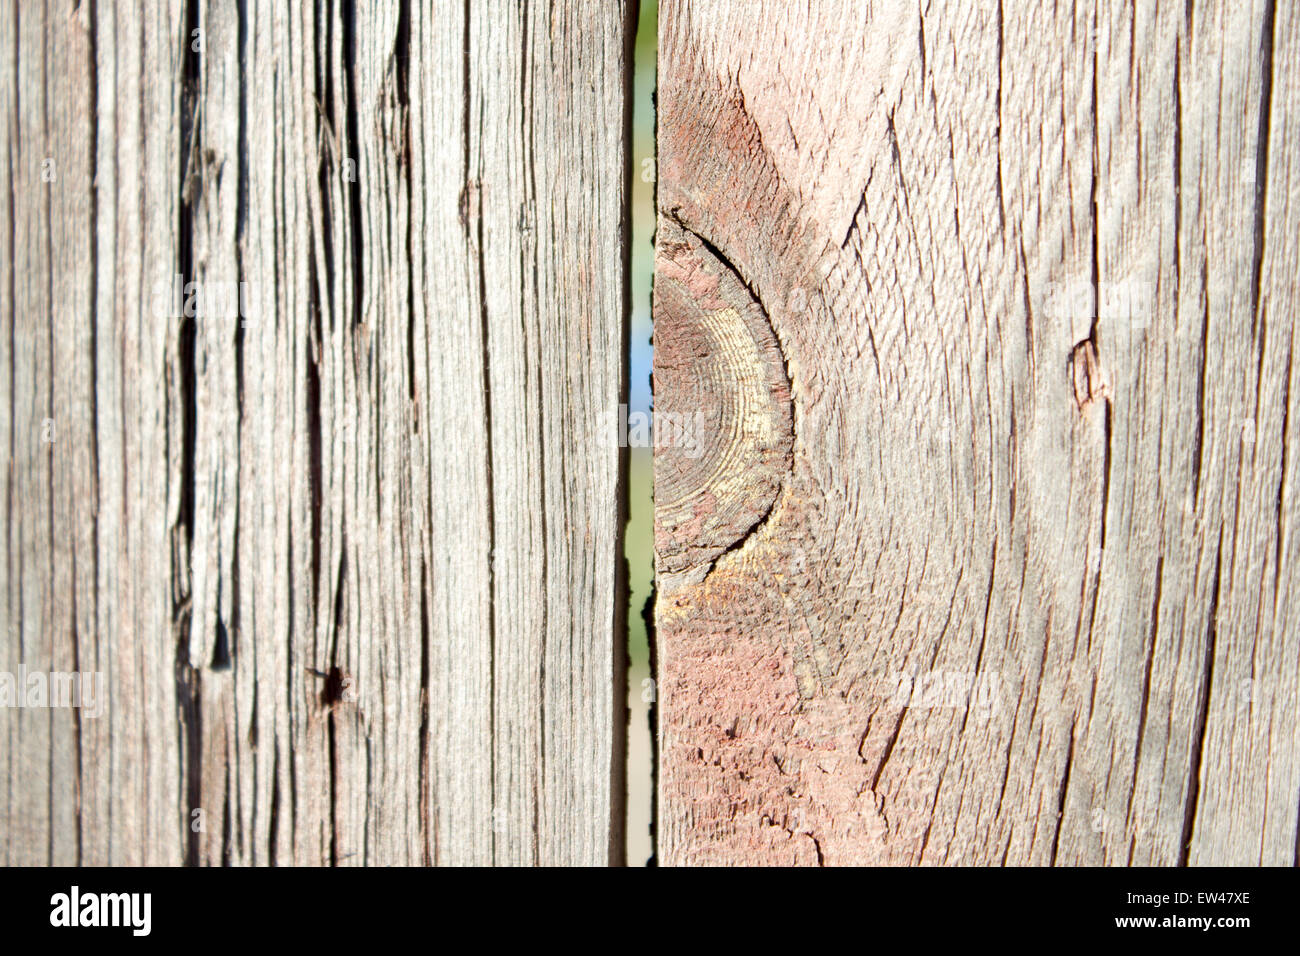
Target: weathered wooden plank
point(342, 531)
point(92, 475)
point(537, 218)
point(1019, 591)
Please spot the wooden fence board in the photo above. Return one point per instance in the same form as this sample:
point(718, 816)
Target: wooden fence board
point(983, 550)
point(346, 551)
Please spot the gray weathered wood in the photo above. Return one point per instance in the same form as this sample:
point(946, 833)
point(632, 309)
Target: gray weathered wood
point(349, 562)
point(1022, 591)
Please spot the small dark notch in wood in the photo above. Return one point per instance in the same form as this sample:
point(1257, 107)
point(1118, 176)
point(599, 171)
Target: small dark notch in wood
point(337, 688)
point(221, 657)
point(1086, 374)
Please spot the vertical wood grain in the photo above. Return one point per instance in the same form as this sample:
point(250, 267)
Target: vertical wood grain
point(348, 555)
point(1020, 591)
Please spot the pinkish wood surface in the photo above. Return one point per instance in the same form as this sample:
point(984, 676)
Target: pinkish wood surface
point(1001, 564)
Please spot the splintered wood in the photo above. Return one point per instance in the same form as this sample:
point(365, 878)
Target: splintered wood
point(985, 313)
point(345, 548)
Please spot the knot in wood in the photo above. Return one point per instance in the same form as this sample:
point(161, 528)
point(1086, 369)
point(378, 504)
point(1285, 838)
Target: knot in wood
point(723, 417)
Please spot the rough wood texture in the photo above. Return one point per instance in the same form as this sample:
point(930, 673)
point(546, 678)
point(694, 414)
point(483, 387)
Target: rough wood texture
point(1025, 592)
point(348, 557)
